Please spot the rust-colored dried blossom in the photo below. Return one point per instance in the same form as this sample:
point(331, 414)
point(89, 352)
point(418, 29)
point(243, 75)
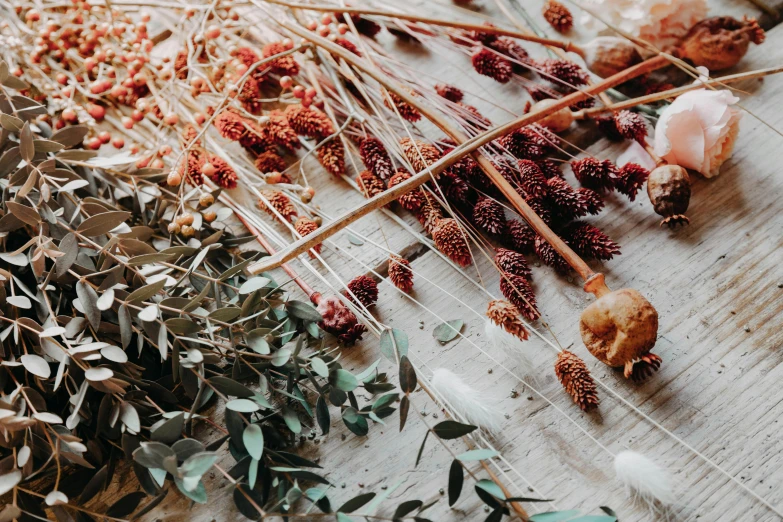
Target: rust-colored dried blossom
point(489, 63)
point(489, 216)
point(348, 45)
point(531, 142)
point(631, 125)
point(230, 125)
point(506, 315)
point(591, 200)
point(370, 185)
point(517, 289)
point(400, 273)
point(520, 237)
point(573, 374)
point(305, 226)
point(338, 319)
point(270, 161)
point(430, 213)
point(457, 190)
point(589, 241)
point(280, 203)
point(550, 168)
point(181, 65)
point(250, 95)
point(256, 138)
point(190, 168)
point(309, 122)
point(468, 169)
point(508, 47)
point(247, 56)
point(449, 92)
point(558, 16)
point(280, 132)
point(550, 257)
point(224, 175)
point(473, 115)
point(375, 158)
point(285, 65)
point(405, 109)
point(564, 200)
point(720, 42)
point(608, 127)
point(414, 199)
point(420, 155)
point(540, 92)
point(363, 289)
point(451, 240)
point(595, 174)
point(562, 72)
point(531, 179)
point(631, 178)
point(189, 135)
point(332, 156)
point(512, 262)
point(541, 208)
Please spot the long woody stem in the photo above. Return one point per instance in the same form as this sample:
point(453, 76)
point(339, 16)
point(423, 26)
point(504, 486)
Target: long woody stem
point(465, 146)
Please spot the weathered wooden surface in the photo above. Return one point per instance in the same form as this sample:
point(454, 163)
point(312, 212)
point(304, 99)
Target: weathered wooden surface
point(717, 285)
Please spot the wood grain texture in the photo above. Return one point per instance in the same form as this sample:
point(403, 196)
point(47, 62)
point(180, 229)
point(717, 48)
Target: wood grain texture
point(718, 287)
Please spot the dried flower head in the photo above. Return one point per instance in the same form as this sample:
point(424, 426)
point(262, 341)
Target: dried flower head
point(400, 273)
point(405, 109)
point(517, 289)
point(490, 63)
point(412, 200)
point(305, 226)
point(363, 289)
point(449, 92)
point(430, 213)
point(420, 155)
point(250, 95)
point(558, 16)
point(279, 131)
point(332, 156)
point(550, 168)
point(573, 374)
point(457, 190)
point(511, 49)
point(280, 203)
point(591, 200)
point(550, 257)
point(720, 42)
point(285, 65)
point(631, 178)
point(181, 65)
point(338, 319)
point(370, 185)
point(375, 158)
point(506, 315)
point(631, 125)
point(256, 138)
point(562, 72)
point(190, 167)
point(270, 161)
point(452, 241)
point(247, 56)
point(309, 122)
point(520, 237)
point(224, 175)
point(472, 116)
point(229, 124)
point(512, 262)
point(595, 174)
point(608, 127)
point(531, 142)
point(564, 200)
point(348, 45)
point(532, 180)
point(489, 216)
point(589, 241)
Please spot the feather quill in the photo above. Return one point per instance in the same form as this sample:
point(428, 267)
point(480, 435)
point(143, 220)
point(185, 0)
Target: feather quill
point(475, 407)
point(644, 479)
point(510, 345)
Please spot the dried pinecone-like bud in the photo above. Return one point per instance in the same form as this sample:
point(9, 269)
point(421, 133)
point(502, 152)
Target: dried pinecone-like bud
point(400, 273)
point(370, 184)
point(364, 289)
point(224, 175)
point(508, 47)
point(720, 42)
point(405, 109)
point(591, 200)
point(512, 262)
point(332, 156)
point(517, 289)
point(309, 122)
point(564, 199)
point(270, 161)
point(608, 127)
point(505, 315)
point(549, 256)
point(279, 202)
point(532, 142)
point(449, 92)
point(489, 63)
point(414, 199)
point(531, 178)
point(250, 95)
point(338, 319)
point(247, 56)
point(430, 213)
point(489, 216)
point(452, 241)
point(573, 374)
point(420, 155)
point(558, 16)
point(550, 168)
point(520, 237)
point(473, 116)
point(280, 132)
point(468, 169)
point(230, 125)
point(562, 72)
point(305, 226)
point(190, 135)
point(595, 174)
point(631, 125)
point(669, 189)
point(256, 138)
point(589, 241)
point(376, 158)
point(457, 190)
point(348, 45)
point(630, 179)
point(542, 209)
point(181, 65)
point(285, 65)
point(191, 166)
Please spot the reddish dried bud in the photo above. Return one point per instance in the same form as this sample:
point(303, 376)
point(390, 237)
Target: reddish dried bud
point(489, 216)
point(192, 164)
point(224, 175)
point(531, 179)
point(452, 241)
point(595, 174)
point(558, 16)
point(511, 49)
point(230, 125)
point(376, 158)
point(512, 262)
point(338, 319)
point(305, 226)
point(309, 122)
point(564, 199)
point(608, 127)
point(591, 200)
point(370, 185)
point(505, 315)
point(550, 168)
point(332, 156)
point(414, 199)
point(280, 132)
point(517, 289)
point(405, 109)
point(285, 65)
point(280, 203)
point(589, 241)
point(490, 63)
point(562, 72)
point(270, 161)
point(631, 125)
point(363, 289)
point(430, 213)
point(549, 256)
point(400, 273)
point(348, 45)
point(520, 237)
point(630, 179)
point(532, 142)
point(420, 155)
point(449, 92)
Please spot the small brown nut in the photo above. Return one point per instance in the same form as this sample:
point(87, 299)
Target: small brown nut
point(188, 231)
point(185, 219)
point(608, 55)
point(206, 199)
point(174, 228)
point(620, 327)
point(669, 189)
point(210, 216)
point(557, 122)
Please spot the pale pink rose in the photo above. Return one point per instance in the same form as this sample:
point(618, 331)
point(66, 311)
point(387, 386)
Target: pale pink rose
point(659, 22)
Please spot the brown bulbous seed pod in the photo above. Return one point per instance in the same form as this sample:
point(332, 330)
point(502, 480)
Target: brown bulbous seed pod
point(210, 216)
point(185, 219)
point(206, 199)
point(174, 228)
point(608, 55)
point(557, 122)
point(669, 189)
point(620, 329)
point(720, 42)
point(187, 231)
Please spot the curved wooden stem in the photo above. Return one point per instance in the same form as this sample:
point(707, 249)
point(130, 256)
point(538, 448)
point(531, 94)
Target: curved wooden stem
point(466, 146)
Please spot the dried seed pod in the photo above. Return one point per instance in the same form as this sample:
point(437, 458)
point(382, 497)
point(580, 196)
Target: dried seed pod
point(669, 189)
point(549, 256)
point(520, 237)
point(506, 315)
point(284, 65)
point(308, 122)
point(305, 226)
point(558, 16)
point(595, 174)
point(365, 290)
point(412, 200)
point(430, 213)
point(369, 184)
point(279, 131)
point(230, 125)
point(531, 179)
point(630, 179)
point(589, 241)
point(332, 156)
point(375, 158)
point(489, 216)
point(280, 202)
point(400, 273)
point(631, 125)
point(420, 155)
point(512, 262)
point(489, 63)
point(449, 92)
point(338, 319)
point(223, 175)
point(720, 42)
point(270, 161)
point(608, 55)
point(620, 329)
point(563, 72)
point(557, 122)
point(450, 239)
point(406, 110)
point(573, 374)
point(517, 289)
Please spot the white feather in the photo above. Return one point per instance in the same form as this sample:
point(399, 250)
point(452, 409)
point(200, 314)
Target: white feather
point(644, 479)
point(511, 346)
point(474, 406)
